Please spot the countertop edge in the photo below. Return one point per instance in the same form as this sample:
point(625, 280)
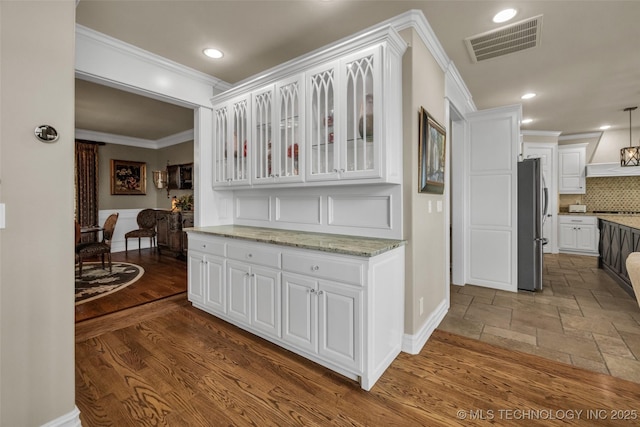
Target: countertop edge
point(385, 244)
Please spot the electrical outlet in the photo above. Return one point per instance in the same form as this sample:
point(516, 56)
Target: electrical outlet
point(421, 305)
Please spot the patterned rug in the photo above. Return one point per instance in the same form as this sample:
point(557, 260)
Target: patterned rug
point(97, 282)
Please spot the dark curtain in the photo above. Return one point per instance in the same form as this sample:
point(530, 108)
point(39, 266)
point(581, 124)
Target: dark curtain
point(86, 184)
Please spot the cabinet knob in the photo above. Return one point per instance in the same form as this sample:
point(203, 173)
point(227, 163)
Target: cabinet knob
point(315, 267)
point(320, 292)
point(312, 291)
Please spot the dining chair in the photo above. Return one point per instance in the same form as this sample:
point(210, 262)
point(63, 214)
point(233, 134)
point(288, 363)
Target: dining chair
point(102, 248)
point(146, 220)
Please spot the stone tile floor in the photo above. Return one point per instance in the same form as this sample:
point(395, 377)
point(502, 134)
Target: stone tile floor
point(581, 317)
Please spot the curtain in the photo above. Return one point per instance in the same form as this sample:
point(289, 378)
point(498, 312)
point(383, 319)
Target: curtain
point(86, 184)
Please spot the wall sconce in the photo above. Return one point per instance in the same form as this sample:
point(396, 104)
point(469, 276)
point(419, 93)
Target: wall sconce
point(161, 180)
point(630, 156)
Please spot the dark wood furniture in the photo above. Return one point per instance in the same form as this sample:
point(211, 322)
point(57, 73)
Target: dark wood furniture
point(171, 238)
point(617, 241)
point(180, 176)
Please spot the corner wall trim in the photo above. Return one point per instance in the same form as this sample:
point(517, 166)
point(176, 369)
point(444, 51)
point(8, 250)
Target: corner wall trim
point(71, 419)
point(412, 344)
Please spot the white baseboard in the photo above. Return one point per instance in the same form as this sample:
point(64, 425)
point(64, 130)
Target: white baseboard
point(412, 344)
point(71, 419)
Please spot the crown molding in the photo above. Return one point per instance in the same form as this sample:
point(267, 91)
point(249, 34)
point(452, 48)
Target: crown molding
point(415, 19)
point(151, 58)
point(580, 136)
point(110, 138)
point(541, 133)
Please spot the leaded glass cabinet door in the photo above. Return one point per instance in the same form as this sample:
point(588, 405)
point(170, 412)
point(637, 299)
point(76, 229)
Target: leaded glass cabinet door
point(239, 151)
point(263, 144)
point(290, 114)
point(361, 114)
point(322, 157)
point(220, 145)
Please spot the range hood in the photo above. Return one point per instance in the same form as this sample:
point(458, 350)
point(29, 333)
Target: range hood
point(611, 169)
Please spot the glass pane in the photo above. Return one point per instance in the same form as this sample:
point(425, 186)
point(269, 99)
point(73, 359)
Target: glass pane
point(220, 171)
point(289, 137)
point(240, 138)
point(360, 114)
point(263, 106)
point(322, 122)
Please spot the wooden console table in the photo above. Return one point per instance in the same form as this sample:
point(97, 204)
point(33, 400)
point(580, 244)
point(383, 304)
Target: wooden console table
point(170, 237)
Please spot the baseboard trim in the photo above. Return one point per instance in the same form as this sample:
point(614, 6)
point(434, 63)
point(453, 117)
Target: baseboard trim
point(412, 344)
point(71, 419)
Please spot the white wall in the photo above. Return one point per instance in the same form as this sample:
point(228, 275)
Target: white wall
point(608, 149)
point(36, 247)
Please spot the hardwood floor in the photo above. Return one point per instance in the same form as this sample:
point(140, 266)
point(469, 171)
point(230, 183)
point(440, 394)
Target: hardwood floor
point(164, 276)
point(169, 364)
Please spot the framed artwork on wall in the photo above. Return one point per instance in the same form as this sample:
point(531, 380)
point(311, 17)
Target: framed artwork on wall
point(431, 154)
point(128, 178)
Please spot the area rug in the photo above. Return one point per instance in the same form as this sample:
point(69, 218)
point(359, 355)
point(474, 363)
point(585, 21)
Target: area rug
point(97, 282)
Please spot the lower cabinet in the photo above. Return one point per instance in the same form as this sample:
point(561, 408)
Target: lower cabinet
point(310, 302)
point(616, 243)
point(578, 234)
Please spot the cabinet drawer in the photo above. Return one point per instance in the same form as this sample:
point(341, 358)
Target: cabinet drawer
point(208, 246)
point(322, 267)
point(571, 219)
point(261, 255)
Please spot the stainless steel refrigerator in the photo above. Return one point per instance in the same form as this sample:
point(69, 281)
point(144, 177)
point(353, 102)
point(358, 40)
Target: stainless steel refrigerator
point(532, 211)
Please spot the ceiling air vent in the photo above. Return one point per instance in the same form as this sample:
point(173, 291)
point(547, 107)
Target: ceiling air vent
point(503, 41)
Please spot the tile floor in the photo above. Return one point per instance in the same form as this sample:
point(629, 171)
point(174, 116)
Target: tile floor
point(581, 317)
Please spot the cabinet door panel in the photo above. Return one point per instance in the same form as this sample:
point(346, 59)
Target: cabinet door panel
point(299, 311)
point(215, 295)
point(195, 261)
point(567, 236)
point(339, 320)
point(321, 156)
point(586, 238)
point(220, 171)
point(239, 286)
point(263, 146)
point(266, 313)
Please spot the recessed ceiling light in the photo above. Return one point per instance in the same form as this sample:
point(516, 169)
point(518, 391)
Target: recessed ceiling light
point(504, 15)
point(526, 121)
point(605, 127)
point(213, 53)
point(528, 95)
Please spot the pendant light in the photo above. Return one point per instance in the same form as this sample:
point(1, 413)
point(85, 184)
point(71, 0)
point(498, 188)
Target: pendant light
point(630, 156)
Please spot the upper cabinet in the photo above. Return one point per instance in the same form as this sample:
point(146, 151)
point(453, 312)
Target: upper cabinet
point(333, 115)
point(571, 169)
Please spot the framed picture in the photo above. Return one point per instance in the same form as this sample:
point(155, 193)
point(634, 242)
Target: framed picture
point(128, 177)
point(431, 154)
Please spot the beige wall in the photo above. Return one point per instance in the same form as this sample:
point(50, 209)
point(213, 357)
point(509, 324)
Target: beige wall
point(608, 149)
point(155, 160)
point(36, 248)
point(423, 85)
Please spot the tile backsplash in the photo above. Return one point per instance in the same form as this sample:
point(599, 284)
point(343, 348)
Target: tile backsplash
point(607, 194)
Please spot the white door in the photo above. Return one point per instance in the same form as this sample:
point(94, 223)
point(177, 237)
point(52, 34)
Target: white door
point(239, 280)
point(265, 309)
point(548, 153)
point(214, 283)
point(491, 179)
point(195, 261)
point(299, 312)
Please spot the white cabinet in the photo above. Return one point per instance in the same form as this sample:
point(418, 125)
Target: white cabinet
point(572, 169)
point(307, 301)
point(578, 234)
point(232, 142)
point(332, 115)
point(278, 123)
point(345, 117)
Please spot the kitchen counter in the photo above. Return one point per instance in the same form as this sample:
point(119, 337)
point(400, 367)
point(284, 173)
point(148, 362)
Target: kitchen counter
point(335, 243)
point(629, 220)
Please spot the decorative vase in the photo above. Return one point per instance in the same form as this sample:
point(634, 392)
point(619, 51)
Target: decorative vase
point(366, 116)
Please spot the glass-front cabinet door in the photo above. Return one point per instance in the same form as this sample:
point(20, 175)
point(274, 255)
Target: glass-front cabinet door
point(278, 127)
point(232, 144)
point(344, 99)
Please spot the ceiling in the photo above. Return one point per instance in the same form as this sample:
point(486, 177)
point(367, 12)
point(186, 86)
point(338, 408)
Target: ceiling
point(585, 71)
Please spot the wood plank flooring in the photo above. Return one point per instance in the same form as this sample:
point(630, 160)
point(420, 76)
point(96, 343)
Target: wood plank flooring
point(168, 364)
point(164, 276)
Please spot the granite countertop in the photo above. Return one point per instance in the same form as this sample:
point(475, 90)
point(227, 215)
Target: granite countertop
point(629, 220)
point(335, 243)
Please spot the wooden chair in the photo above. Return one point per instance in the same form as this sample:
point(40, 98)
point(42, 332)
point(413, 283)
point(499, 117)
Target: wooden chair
point(146, 220)
point(92, 249)
point(633, 269)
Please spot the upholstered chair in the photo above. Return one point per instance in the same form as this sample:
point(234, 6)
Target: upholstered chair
point(102, 248)
point(633, 269)
point(146, 228)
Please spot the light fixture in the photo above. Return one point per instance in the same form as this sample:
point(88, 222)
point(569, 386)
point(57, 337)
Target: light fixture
point(504, 15)
point(528, 95)
point(161, 180)
point(630, 156)
point(213, 53)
